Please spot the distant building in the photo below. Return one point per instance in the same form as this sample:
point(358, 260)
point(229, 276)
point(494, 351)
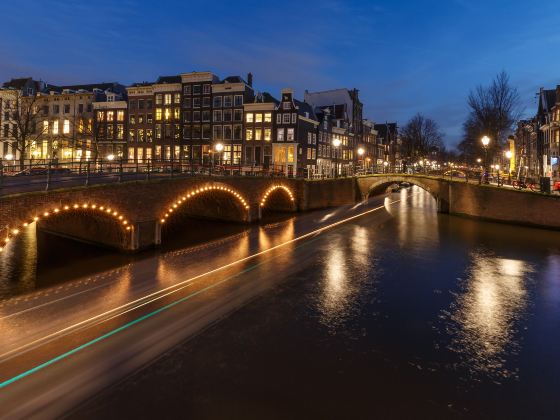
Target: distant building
point(11, 95)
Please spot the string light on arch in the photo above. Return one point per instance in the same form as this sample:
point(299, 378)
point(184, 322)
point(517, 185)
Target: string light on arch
point(18, 229)
point(191, 194)
point(274, 188)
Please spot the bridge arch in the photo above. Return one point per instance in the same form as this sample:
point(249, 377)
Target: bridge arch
point(278, 198)
point(212, 190)
point(54, 218)
point(437, 188)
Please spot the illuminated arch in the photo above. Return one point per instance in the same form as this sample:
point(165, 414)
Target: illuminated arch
point(197, 191)
point(67, 208)
point(274, 188)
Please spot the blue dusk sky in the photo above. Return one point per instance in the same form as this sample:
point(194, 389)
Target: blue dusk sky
point(403, 56)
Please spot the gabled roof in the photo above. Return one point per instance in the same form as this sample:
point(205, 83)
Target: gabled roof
point(87, 87)
point(168, 79)
point(305, 107)
point(17, 83)
point(233, 79)
point(265, 97)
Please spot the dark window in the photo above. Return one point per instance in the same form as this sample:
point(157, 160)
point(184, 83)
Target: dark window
point(80, 108)
point(196, 90)
point(140, 103)
point(67, 109)
point(56, 109)
point(196, 102)
point(133, 104)
point(187, 102)
point(206, 101)
point(148, 104)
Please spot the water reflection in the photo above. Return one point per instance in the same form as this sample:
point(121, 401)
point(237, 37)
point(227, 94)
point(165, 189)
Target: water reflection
point(486, 314)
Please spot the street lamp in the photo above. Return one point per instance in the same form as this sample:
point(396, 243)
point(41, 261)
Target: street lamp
point(218, 147)
point(361, 152)
point(485, 142)
point(336, 144)
point(509, 155)
point(110, 157)
point(385, 164)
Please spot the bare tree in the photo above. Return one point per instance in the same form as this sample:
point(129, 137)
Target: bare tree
point(421, 137)
point(25, 129)
point(494, 110)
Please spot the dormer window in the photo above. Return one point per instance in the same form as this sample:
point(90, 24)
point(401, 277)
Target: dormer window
point(286, 105)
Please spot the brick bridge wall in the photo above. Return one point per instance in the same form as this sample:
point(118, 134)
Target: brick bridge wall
point(128, 216)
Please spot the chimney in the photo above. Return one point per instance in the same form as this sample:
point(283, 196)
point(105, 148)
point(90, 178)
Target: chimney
point(250, 79)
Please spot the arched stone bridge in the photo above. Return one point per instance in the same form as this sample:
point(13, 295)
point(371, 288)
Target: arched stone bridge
point(129, 216)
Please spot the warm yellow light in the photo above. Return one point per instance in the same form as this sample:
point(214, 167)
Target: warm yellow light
point(35, 218)
point(56, 210)
point(15, 231)
point(76, 206)
point(162, 220)
point(485, 141)
point(66, 207)
point(46, 214)
point(26, 224)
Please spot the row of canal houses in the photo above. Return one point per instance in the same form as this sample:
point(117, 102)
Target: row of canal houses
point(200, 119)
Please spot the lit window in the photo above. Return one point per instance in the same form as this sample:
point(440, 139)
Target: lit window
point(258, 118)
point(55, 127)
point(110, 115)
point(158, 99)
point(267, 134)
point(120, 131)
point(176, 114)
point(280, 134)
point(120, 115)
point(66, 127)
point(290, 134)
point(158, 114)
point(249, 117)
point(258, 134)
point(248, 134)
point(177, 98)
point(45, 126)
point(268, 117)
point(167, 99)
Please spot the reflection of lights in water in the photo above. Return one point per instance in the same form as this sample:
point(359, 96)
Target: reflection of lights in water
point(487, 313)
point(335, 291)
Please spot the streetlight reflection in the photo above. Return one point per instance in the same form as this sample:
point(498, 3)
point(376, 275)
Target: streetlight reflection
point(487, 314)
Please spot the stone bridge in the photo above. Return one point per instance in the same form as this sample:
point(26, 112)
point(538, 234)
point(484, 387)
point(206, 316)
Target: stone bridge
point(129, 216)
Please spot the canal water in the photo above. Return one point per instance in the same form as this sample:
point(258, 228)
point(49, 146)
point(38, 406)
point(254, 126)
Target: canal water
point(416, 315)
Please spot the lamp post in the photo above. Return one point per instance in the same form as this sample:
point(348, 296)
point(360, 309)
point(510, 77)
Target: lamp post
point(336, 144)
point(361, 152)
point(218, 147)
point(509, 155)
point(385, 164)
point(485, 142)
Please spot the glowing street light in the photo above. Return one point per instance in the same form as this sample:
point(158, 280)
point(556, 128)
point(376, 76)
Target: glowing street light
point(385, 164)
point(361, 151)
point(485, 142)
point(336, 143)
point(110, 157)
point(9, 156)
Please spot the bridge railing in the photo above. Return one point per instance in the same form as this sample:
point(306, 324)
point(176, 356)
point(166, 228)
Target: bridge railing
point(37, 175)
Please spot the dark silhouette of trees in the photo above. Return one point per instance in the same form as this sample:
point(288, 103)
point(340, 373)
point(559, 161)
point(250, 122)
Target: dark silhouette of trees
point(421, 138)
point(493, 111)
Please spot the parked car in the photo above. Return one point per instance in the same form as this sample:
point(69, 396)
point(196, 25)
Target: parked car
point(556, 186)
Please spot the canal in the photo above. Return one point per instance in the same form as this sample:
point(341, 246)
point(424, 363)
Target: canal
point(404, 313)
